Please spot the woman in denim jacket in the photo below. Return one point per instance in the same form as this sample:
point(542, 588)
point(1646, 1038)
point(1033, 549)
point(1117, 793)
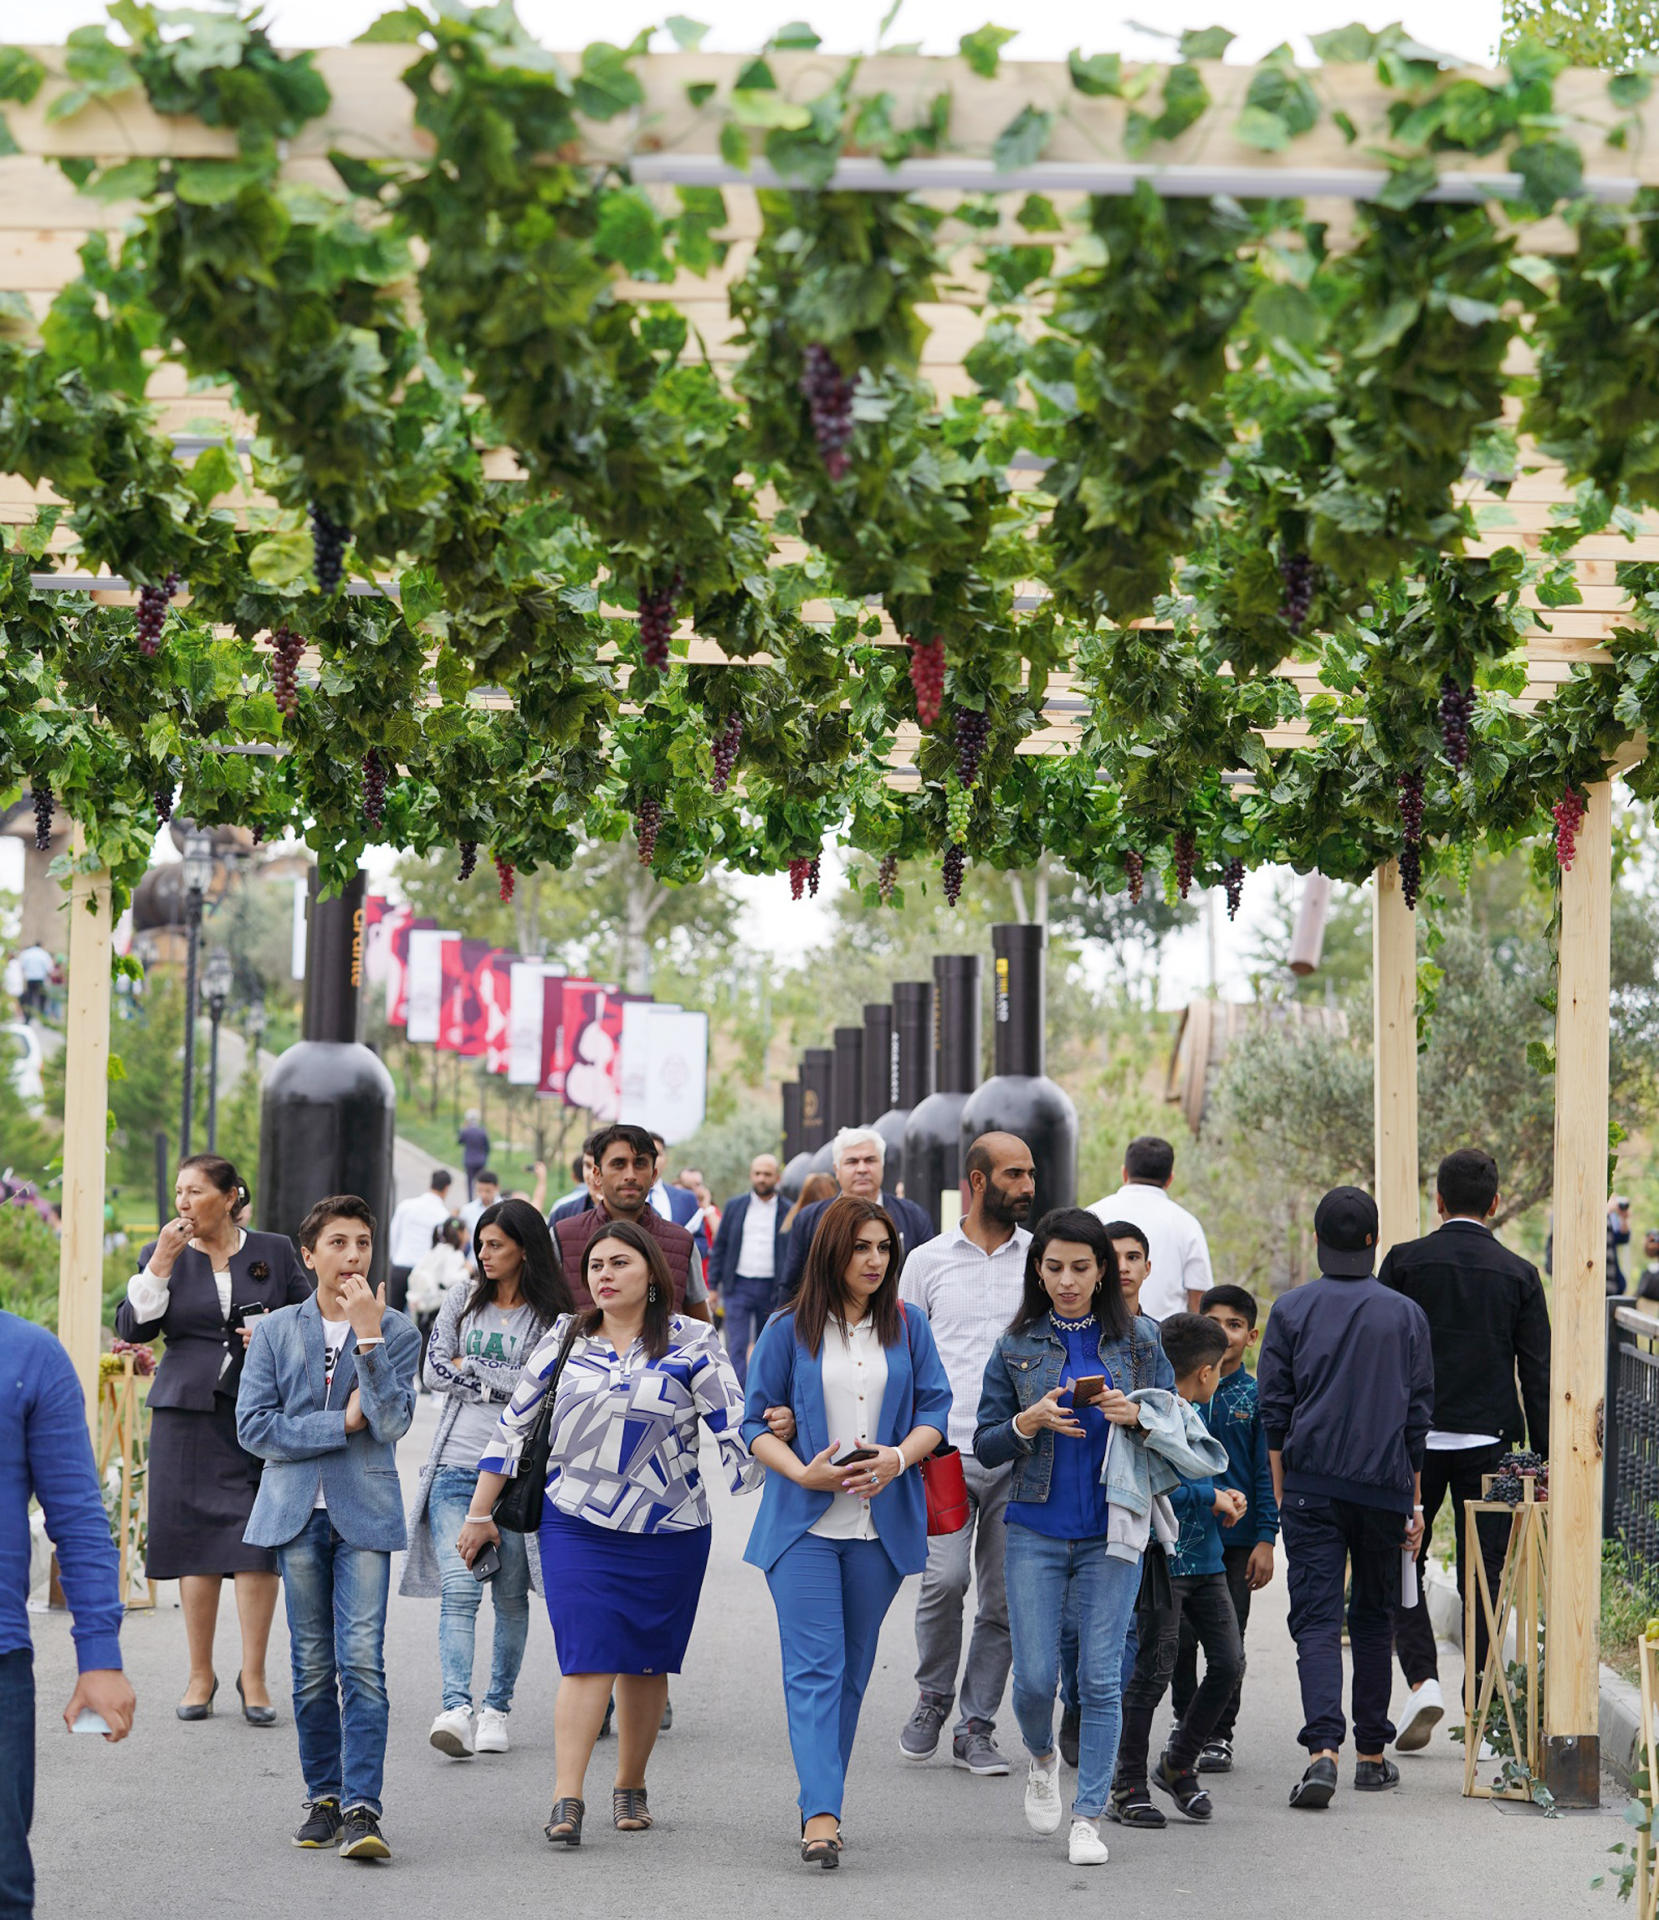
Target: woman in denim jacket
point(1066, 1542)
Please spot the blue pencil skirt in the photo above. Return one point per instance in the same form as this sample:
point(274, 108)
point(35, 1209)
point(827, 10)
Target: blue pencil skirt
point(620, 1602)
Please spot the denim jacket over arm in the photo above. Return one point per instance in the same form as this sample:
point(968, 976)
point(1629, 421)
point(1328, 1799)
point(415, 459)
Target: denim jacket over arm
point(1025, 1366)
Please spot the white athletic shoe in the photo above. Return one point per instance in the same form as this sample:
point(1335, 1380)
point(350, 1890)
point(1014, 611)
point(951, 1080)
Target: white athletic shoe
point(1087, 1847)
point(492, 1731)
point(1425, 1707)
point(1042, 1795)
point(452, 1733)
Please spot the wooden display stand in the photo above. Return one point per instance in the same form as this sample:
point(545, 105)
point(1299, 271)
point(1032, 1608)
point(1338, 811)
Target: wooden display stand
point(122, 1436)
point(1523, 1588)
point(1640, 1839)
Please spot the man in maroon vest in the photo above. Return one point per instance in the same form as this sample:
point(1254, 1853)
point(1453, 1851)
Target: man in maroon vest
point(625, 1164)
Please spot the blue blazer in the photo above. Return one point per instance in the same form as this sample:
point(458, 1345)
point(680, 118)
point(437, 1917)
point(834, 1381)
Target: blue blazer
point(297, 1425)
point(728, 1241)
point(914, 1223)
point(782, 1373)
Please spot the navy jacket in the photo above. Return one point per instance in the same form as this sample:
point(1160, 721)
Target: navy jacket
point(1346, 1379)
point(728, 1242)
point(913, 1222)
point(1234, 1417)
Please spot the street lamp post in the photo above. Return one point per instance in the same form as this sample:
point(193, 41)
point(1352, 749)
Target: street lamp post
point(217, 980)
point(198, 877)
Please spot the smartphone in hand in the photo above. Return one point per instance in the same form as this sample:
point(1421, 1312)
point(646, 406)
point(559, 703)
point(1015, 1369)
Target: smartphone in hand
point(1085, 1392)
point(486, 1562)
point(849, 1453)
point(90, 1721)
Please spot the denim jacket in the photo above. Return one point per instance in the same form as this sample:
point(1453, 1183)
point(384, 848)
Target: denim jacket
point(1025, 1366)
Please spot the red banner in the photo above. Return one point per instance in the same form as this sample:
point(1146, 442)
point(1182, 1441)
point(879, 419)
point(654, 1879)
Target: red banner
point(593, 1075)
point(495, 992)
point(397, 967)
point(461, 1024)
point(558, 997)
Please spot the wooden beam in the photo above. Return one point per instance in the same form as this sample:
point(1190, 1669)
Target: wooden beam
point(1578, 1357)
point(85, 1104)
point(1394, 1058)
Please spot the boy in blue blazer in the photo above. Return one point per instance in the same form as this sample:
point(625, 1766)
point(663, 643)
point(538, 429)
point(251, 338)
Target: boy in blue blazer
point(327, 1392)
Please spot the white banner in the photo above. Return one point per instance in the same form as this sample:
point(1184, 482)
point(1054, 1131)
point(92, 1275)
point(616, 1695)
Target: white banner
point(377, 943)
point(296, 954)
point(676, 1081)
point(426, 983)
point(524, 1024)
point(636, 1055)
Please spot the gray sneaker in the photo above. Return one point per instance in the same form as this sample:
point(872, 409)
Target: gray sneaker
point(976, 1750)
point(919, 1739)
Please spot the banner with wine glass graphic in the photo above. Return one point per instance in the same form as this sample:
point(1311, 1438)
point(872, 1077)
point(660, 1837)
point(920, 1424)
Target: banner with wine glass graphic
point(622, 1056)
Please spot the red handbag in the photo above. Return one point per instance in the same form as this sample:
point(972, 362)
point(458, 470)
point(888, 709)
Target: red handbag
point(946, 1490)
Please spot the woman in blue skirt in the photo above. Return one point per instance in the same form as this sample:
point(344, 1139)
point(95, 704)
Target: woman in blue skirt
point(625, 1529)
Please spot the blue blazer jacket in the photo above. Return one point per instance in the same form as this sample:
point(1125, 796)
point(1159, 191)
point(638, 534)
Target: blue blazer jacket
point(728, 1241)
point(782, 1373)
point(297, 1425)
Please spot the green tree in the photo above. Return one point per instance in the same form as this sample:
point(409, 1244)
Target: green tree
point(1590, 33)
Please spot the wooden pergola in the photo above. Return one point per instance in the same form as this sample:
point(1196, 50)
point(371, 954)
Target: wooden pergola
point(43, 221)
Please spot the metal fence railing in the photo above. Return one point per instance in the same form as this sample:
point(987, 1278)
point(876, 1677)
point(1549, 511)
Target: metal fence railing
point(1630, 1440)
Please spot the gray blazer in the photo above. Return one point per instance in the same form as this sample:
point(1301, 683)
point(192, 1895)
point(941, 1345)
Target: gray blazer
point(288, 1417)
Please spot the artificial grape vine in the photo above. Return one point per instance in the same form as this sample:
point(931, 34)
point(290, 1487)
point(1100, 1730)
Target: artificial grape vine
point(1298, 575)
point(725, 745)
point(469, 860)
point(829, 398)
point(1569, 817)
point(798, 870)
point(647, 825)
point(374, 788)
point(812, 869)
point(45, 806)
point(153, 603)
point(1232, 878)
point(286, 648)
point(656, 622)
point(1134, 868)
point(973, 729)
point(1457, 706)
point(505, 875)
point(1411, 874)
point(954, 866)
point(927, 677)
point(1186, 861)
point(1409, 787)
point(328, 546)
point(164, 802)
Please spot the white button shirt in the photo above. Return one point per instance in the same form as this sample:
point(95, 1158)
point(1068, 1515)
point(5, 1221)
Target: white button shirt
point(413, 1225)
point(1180, 1255)
point(757, 1249)
point(969, 1297)
point(855, 1378)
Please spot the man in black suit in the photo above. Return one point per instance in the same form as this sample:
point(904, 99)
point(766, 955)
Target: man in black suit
point(858, 1156)
point(1488, 1322)
point(750, 1247)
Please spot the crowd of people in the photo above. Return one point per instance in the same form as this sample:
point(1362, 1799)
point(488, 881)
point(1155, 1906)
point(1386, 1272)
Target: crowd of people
point(1055, 1408)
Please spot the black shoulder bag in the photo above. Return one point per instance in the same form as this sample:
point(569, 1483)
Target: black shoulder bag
point(518, 1505)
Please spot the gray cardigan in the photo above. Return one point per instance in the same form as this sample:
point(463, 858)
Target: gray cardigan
point(461, 1380)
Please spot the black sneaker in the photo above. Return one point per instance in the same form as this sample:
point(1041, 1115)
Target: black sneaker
point(1071, 1730)
point(1316, 1785)
point(361, 1838)
point(322, 1825)
point(1216, 1757)
point(1375, 1776)
point(1183, 1788)
point(1132, 1807)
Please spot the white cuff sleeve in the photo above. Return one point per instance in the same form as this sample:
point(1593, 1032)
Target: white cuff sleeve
point(147, 1295)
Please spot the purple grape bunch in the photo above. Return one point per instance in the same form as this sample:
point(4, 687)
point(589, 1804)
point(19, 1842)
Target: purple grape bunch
point(955, 867)
point(286, 648)
point(45, 805)
point(725, 745)
point(1298, 575)
point(972, 731)
point(374, 788)
point(153, 603)
point(164, 801)
point(1232, 878)
point(1186, 861)
point(647, 825)
point(1410, 786)
point(329, 541)
point(829, 398)
point(812, 871)
point(656, 622)
point(887, 877)
point(469, 860)
point(1135, 868)
point(1457, 707)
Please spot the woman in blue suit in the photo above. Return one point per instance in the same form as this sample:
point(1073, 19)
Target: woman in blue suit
point(835, 1542)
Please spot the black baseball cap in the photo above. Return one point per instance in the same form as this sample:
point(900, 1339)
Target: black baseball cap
point(1345, 1225)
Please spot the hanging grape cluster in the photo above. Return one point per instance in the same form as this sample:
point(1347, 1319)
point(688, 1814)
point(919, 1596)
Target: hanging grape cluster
point(887, 877)
point(45, 806)
point(972, 731)
point(1298, 575)
point(164, 802)
point(286, 648)
point(1232, 878)
point(152, 614)
point(506, 878)
point(328, 548)
point(374, 787)
point(1569, 817)
point(798, 870)
point(725, 745)
point(927, 676)
point(647, 825)
point(812, 875)
point(1135, 867)
point(1457, 706)
point(1186, 862)
point(656, 622)
point(469, 859)
point(955, 866)
point(1410, 786)
point(829, 399)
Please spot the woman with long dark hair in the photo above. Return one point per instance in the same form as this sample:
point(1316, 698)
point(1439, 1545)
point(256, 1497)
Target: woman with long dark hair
point(861, 1377)
point(1066, 1542)
point(625, 1527)
point(201, 1285)
point(484, 1333)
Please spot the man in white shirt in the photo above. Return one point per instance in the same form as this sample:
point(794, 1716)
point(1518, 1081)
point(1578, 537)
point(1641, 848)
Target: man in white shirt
point(410, 1234)
point(747, 1261)
point(969, 1283)
point(35, 965)
point(487, 1191)
point(1178, 1274)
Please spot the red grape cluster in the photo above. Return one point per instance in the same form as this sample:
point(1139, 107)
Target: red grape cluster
point(1232, 878)
point(469, 859)
point(1457, 706)
point(45, 806)
point(374, 787)
point(164, 802)
point(647, 825)
point(887, 877)
point(798, 871)
point(956, 865)
point(286, 648)
point(1298, 576)
point(927, 676)
point(656, 622)
point(1569, 817)
point(328, 548)
point(152, 613)
point(1135, 867)
point(1186, 861)
point(726, 743)
point(972, 731)
point(829, 399)
point(506, 879)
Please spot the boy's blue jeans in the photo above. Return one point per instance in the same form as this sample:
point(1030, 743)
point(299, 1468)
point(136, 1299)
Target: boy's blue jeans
point(1041, 1574)
point(447, 1500)
point(336, 1600)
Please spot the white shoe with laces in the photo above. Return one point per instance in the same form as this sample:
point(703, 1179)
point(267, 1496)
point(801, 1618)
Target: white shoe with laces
point(1087, 1848)
point(1042, 1795)
point(492, 1731)
point(452, 1733)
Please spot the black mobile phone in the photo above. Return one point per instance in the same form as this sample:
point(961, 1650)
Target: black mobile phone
point(486, 1563)
point(250, 1312)
point(848, 1456)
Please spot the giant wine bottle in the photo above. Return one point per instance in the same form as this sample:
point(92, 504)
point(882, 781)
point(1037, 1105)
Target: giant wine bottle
point(911, 1072)
point(329, 1109)
point(816, 1127)
point(933, 1133)
point(794, 1160)
point(876, 1106)
point(1019, 1098)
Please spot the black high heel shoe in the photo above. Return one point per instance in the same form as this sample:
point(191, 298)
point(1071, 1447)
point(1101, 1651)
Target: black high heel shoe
point(204, 1709)
point(566, 1814)
point(825, 1853)
point(255, 1716)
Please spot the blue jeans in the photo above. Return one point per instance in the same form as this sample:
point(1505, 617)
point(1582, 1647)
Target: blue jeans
point(447, 1501)
point(336, 1597)
point(747, 1303)
point(1040, 1574)
point(1068, 1653)
point(17, 1783)
point(831, 1597)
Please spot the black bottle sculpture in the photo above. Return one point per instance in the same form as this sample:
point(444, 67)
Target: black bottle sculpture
point(794, 1160)
point(912, 1072)
point(846, 1092)
point(878, 1087)
point(933, 1133)
point(817, 1064)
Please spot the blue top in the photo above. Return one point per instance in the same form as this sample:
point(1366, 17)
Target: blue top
point(1234, 1417)
point(783, 1374)
point(1076, 1507)
point(45, 1451)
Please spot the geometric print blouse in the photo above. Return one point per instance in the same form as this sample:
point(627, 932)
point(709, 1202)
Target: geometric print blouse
point(625, 1428)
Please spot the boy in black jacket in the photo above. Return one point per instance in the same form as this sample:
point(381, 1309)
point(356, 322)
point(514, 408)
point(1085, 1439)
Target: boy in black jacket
point(1346, 1384)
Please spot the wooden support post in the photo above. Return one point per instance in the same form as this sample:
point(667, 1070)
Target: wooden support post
point(1578, 1361)
point(85, 1105)
point(1394, 1059)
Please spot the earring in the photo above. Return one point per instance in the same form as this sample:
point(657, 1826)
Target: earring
point(651, 1293)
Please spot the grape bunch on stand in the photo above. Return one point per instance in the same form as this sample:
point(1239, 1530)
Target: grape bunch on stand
point(1232, 878)
point(469, 859)
point(45, 806)
point(647, 825)
point(1457, 706)
point(956, 865)
point(927, 677)
point(152, 613)
point(1135, 867)
point(887, 877)
point(1297, 573)
point(328, 549)
point(1569, 817)
point(286, 648)
point(829, 398)
point(1186, 861)
point(374, 787)
point(972, 731)
point(505, 877)
point(725, 745)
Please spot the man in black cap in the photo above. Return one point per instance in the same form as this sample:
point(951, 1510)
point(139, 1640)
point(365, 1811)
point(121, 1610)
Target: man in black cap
point(1346, 1383)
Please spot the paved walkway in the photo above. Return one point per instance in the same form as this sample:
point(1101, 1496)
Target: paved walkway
point(193, 1821)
